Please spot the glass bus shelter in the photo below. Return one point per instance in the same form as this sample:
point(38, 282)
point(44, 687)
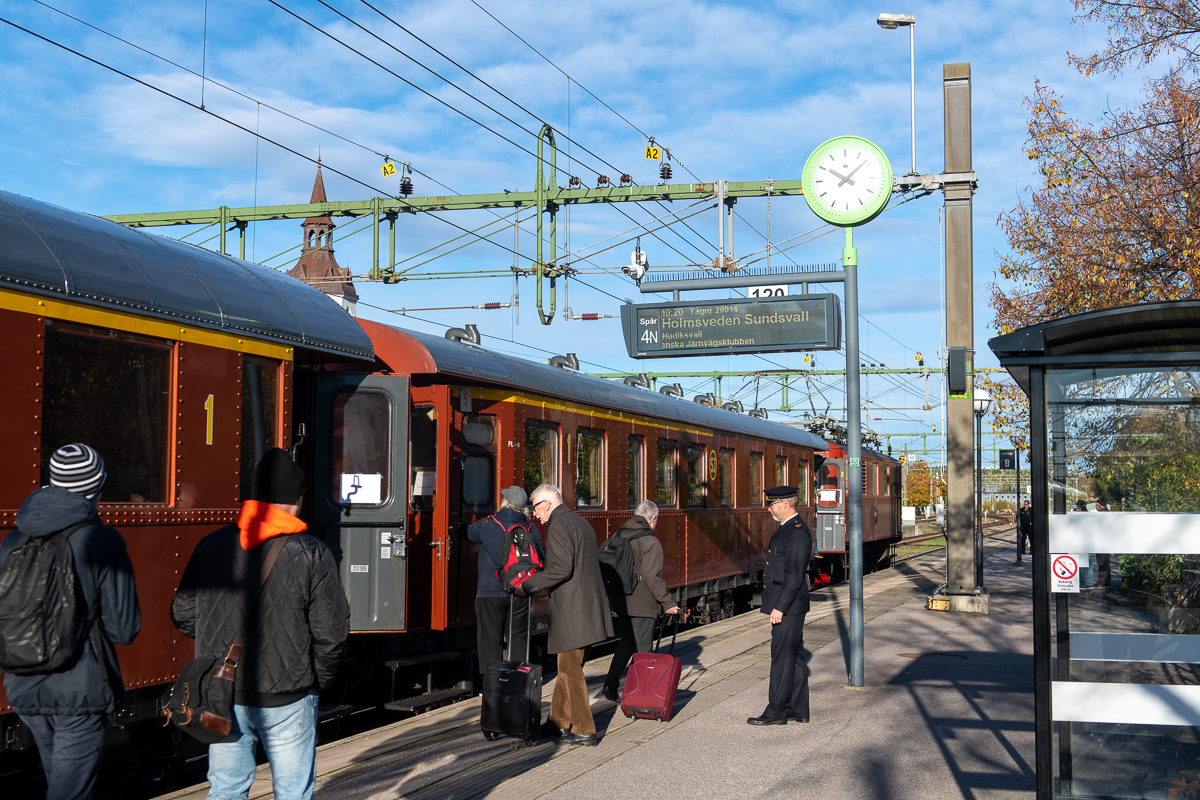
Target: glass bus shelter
point(1114, 399)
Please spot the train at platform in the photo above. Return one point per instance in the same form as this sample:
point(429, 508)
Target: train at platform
point(182, 366)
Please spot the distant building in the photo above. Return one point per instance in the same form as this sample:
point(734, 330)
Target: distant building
point(317, 265)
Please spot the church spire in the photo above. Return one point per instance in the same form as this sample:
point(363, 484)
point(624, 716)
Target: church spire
point(317, 264)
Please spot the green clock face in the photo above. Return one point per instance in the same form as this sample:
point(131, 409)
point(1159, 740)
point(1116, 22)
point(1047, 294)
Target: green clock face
point(847, 181)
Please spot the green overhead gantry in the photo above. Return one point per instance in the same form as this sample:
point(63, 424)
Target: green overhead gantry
point(547, 198)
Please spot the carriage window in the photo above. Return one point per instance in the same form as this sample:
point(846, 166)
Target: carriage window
point(422, 459)
point(479, 431)
point(805, 481)
point(541, 454)
point(726, 477)
point(361, 423)
point(781, 471)
point(589, 470)
point(827, 492)
point(112, 394)
point(667, 472)
point(696, 484)
point(477, 481)
point(478, 468)
point(637, 470)
point(259, 403)
point(756, 476)
point(871, 480)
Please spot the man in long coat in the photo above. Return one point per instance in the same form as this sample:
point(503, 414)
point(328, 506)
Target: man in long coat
point(579, 614)
point(785, 599)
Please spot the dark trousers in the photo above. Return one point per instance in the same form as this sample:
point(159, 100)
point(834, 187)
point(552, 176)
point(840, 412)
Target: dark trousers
point(1023, 537)
point(71, 748)
point(788, 692)
point(637, 636)
point(1103, 569)
point(492, 613)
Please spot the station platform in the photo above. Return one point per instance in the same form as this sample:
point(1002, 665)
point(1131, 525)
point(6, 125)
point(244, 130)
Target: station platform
point(947, 712)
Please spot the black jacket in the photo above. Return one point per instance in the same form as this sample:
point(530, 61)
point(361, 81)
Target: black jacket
point(1026, 519)
point(488, 534)
point(785, 585)
point(649, 597)
point(297, 634)
point(102, 566)
point(579, 614)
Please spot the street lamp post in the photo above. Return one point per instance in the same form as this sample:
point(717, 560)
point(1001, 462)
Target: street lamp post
point(1018, 441)
point(891, 22)
point(981, 403)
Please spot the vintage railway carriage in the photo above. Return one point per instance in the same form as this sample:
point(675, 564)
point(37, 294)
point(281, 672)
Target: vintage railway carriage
point(176, 364)
point(881, 510)
point(407, 455)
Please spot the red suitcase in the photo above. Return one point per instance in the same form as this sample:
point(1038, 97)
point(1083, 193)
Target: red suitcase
point(652, 682)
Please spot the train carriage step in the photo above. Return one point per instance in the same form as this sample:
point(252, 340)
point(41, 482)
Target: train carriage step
point(326, 713)
point(423, 658)
point(427, 700)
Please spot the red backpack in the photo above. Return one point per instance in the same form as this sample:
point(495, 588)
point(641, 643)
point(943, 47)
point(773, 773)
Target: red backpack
point(520, 556)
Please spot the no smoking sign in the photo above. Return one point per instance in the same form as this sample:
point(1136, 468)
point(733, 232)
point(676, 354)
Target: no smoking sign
point(1064, 573)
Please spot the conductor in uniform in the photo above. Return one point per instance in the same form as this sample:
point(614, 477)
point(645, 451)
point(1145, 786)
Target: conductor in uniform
point(785, 599)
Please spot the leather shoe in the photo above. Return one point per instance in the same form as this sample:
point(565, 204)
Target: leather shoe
point(765, 721)
point(549, 731)
point(794, 718)
point(585, 739)
point(610, 694)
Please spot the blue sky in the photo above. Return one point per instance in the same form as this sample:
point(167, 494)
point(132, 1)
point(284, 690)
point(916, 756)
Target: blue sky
point(740, 91)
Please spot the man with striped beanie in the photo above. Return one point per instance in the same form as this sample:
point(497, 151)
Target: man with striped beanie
point(66, 709)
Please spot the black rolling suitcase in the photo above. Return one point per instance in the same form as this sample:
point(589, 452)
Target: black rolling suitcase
point(512, 694)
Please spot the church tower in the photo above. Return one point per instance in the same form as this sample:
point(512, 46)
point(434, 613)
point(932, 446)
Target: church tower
point(317, 265)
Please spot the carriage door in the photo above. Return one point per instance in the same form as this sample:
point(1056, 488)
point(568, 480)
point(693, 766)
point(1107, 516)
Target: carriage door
point(361, 492)
point(831, 507)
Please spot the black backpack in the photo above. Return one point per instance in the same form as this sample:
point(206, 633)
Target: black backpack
point(617, 564)
point(44, 621)
point(520, 556)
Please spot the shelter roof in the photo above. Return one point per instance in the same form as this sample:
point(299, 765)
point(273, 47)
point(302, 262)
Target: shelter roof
point(64, 254)
point(1127, 334)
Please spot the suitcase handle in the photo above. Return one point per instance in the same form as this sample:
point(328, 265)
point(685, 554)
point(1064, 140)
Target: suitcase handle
point(661, 629)
point(528, 627)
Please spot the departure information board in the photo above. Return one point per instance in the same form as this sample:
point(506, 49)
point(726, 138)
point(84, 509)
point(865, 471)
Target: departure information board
point(726, 327)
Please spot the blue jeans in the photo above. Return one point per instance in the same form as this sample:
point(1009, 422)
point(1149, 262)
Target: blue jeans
point(289, 737)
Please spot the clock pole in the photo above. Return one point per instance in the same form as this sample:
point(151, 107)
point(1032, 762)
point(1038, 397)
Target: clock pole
point(854, 472)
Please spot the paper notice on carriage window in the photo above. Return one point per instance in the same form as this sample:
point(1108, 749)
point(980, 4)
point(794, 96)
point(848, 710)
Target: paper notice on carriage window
point(423, 483)
point(829, 495)
point(362, 489)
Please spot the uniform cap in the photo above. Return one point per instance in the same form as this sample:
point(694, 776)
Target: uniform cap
point(781, 493)
point(278, 479)
point(515, 496)
point(78, 468)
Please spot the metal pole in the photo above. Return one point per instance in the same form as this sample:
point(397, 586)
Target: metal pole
point(720, 225)
point(978, 499)
point(854, 456)
point(912, 88)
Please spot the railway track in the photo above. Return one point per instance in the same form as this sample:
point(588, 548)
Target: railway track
point(990, 529)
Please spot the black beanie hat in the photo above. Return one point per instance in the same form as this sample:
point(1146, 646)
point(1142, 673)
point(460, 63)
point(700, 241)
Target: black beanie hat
point(278, 479)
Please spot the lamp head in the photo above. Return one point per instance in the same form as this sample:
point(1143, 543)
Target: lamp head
point(982, 401)
point(1018, 441)
point(892, 21)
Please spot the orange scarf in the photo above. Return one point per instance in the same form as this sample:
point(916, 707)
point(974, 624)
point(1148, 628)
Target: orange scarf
point(260, 521)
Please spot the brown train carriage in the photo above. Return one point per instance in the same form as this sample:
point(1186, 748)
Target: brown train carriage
point(177, 365)
point(441, 426)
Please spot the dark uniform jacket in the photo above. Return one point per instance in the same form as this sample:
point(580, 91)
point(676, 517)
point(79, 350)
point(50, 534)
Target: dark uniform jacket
point(650, 597)
point(103, 569)
point(1026, 519)
point(296, 636)
point(489, 534)
point(579, 614)
point(785, 586)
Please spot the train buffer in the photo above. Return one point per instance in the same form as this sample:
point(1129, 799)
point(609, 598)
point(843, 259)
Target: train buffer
point(430, 698)
point(947, 713)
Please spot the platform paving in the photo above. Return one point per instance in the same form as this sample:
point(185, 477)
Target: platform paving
point(955, 722)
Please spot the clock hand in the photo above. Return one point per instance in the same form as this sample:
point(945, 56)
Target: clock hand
point(851, 175)
point(837, 174)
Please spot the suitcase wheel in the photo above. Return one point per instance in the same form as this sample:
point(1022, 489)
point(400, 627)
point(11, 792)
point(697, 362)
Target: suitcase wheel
point(490, 736)
point(530, 738)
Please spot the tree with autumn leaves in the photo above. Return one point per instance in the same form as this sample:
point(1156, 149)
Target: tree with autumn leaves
point(1114, 218)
